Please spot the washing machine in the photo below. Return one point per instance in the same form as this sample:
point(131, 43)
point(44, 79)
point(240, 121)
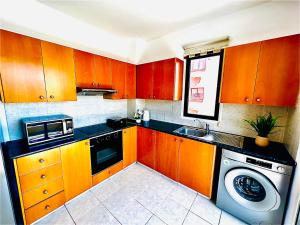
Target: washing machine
point(252, 189)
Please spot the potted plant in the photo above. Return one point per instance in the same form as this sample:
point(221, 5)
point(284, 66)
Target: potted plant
point(138, 116)
point(263, 126)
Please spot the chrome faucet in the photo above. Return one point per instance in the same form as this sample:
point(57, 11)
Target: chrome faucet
point(207, 128)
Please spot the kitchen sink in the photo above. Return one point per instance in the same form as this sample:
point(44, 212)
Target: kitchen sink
point(194, 132)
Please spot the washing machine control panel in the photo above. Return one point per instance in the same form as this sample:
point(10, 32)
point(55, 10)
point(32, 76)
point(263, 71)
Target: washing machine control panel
point(259, 163)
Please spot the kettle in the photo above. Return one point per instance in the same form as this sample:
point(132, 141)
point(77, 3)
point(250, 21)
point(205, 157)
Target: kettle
point(146, 115)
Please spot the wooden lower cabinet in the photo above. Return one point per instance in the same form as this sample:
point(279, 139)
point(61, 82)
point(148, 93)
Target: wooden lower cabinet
point(76, 164)
point(39, 210)
point(129, 146)
point(167, 147)
point(196, 165)
point(104, 174)
point(146, 144)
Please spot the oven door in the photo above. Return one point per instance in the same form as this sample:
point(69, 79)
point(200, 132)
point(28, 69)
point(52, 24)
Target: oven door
point(106, 150)
point(55, 129)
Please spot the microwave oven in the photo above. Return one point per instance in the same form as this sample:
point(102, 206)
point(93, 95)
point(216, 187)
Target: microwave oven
point(43, 129)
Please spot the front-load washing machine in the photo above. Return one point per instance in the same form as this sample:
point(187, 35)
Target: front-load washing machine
point(252, 189)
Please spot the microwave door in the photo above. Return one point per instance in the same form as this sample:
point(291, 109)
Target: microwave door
point(55, 129)
point(36, 133)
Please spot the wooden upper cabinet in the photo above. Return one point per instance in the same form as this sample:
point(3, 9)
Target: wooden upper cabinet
point(118, 77)
point(130, 82)
point(277, 81)
point(146, 146)
point(196, 165)
point(167, 147)
point(84, 68)
point(239, 73)
point(129, 146)
point(144, 81)
point(76, 166)
point(103, 71)
point(21, 68)
point(59, 72)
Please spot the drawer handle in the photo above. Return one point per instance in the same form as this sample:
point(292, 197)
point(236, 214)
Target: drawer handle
point(41, 97)
point(45, 192)
point(41, 160)
point(258, 99)
point(246, 99)
point(51, 96)
point(43, 176)
point(47, 207)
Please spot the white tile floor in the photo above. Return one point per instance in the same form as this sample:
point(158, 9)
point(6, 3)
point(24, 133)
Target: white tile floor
point(139, 195)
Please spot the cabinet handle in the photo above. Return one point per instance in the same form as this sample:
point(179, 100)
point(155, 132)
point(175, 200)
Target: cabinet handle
point(258, 99)
point(41, 160)
point(246, 99)
point(94, 84)
point(41, 97)
point(124, 132)
point(47, 207)
point(43, 176)
point(99, 84)
point(45, 192)
point(51, 96)
point(175, 139)
point(154, 97)
point(181, 140)
point(86, 143)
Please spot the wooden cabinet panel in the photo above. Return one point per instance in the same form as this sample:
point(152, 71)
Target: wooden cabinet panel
point(129, 146)
point(42, 192)
point(84, 69)
point(103, 71)
point(76, 164)
point(196, 165)
point(118, 78)
point(21, 68)
point(104, 174)
point(146, 146)
point(59, 72)
point(144, 81)
point(38, 161)
point(130, 82)
point(277, 81)
point(239, 73)
point(41, 209)
point(40, 177)
point(167, 147)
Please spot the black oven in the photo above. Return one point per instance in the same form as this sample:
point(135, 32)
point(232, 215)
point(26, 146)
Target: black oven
point(106, 150)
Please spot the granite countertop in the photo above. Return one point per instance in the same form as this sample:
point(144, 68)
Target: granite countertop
point(275, 152)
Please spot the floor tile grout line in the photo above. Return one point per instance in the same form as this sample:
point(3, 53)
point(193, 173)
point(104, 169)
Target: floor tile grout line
point(220, 217)
point(189, 210)
point(149, 219)
point(69, 214)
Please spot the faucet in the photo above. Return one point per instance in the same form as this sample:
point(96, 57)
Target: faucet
point(207, 128)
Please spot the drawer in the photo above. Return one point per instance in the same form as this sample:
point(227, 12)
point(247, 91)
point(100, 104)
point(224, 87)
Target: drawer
point(42, 192)
point(43, 208)
point(115, 168)
point(103, 175)
point(40, 177)
point(38, 161)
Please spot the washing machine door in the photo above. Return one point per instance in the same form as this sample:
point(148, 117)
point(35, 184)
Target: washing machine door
point(252, 189)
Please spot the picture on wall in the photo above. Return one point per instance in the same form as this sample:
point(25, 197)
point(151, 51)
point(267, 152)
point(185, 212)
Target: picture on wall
point(202, 86)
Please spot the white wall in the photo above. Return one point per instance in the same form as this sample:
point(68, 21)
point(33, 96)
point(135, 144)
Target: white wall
point(265, 21)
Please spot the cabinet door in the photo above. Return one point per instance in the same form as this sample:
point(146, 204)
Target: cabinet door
point(239, 74)
point(167, 154)
point(84, 68)
point(144, 81)
point(196, 165)
point(59, 72)
point(130, 82)
point(21, 68)
point(76, 165)
point(146, 147)
point(277, 81)
point(103, 71)
point(118, 78)
point(129, 146)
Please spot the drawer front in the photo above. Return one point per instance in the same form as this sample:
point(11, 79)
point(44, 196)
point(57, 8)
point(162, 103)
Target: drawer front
point(42, 192)
point(43, 208)
point(115, 168)
point(40, 177)
point(103, 175)
point(38, 161)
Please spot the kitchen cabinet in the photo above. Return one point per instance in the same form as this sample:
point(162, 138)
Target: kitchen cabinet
point(130, 81)
point(22, 74)
point(119, 70)
point(196, 165)
point(167, 147)
point(160, 80)
point(104, 174)
point(239, 73)
point(146, 146)
point(262, 73)
point(76, 164)
point(129, 146)
point(59, 72)
point(277, 81)
point(103, 71)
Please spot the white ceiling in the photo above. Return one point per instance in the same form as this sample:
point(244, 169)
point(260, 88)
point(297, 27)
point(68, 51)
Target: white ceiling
point(147, 19)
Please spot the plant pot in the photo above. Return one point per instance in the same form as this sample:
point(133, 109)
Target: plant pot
point(262, 141)
point(138, 120)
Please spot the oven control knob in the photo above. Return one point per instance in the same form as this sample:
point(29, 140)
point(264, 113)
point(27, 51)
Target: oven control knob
point(280, 169)
point(107, 138)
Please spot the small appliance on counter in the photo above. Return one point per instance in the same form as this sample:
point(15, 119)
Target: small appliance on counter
point(42, 129)
point(146, 115)
point(116, 122)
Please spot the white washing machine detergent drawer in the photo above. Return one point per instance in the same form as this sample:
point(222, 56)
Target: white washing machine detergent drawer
point(252, 189)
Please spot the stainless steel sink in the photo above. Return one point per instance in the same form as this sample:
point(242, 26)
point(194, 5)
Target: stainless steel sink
point(194, 132)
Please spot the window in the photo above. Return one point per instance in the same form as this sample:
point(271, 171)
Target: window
point(202, 86)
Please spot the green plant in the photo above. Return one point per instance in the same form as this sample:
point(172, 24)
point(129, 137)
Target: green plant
point(263, 124)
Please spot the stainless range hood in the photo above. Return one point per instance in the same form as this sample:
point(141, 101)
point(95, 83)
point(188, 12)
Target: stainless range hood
point(94, 91)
